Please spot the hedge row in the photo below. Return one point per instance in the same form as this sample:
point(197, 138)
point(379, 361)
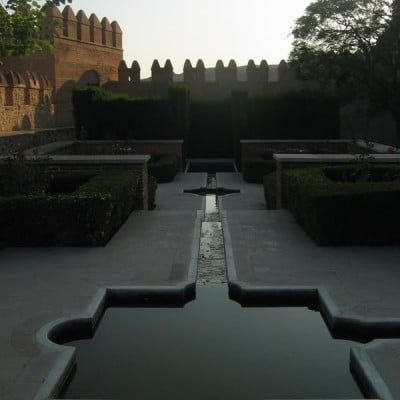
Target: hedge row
point(292, 115)
point(152, 192)
point(100, 114)
point(89, 216)
point(210, 133)
point(269, 182)
point(255, 167)
point(163, 167)
point(340, 213)
point(210, 128)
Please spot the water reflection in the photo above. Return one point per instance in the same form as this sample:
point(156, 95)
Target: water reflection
point(212, 349)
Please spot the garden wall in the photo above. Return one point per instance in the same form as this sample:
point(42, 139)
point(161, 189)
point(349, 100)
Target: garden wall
point(12, 142)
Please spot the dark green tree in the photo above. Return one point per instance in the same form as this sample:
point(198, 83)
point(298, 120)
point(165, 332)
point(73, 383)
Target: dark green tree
point(22, 28)
point(354, 44)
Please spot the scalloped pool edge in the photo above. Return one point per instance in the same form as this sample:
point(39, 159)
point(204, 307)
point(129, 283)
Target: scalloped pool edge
point(89, 319)
point(364, 369)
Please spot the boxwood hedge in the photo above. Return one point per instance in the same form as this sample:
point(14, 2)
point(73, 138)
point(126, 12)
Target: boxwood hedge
point(340, 213)
point(89, 216)
point(270, 190)
point(152, 192)
point(255, 166)
point(163, 167)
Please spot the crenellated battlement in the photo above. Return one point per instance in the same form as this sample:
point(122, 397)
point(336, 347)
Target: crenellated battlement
point(229, 73)
point(257, 78)
point(66, 25)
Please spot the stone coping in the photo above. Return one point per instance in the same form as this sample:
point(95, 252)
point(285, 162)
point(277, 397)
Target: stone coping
point(95, 159)
point(54, 146)
point(100, 159)
point(254, 141)
point(109, 297)
point(316, 158)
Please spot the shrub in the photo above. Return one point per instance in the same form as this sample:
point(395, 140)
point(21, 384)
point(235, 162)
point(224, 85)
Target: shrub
point(152, 192)
point(256, 166)
point(68, 182)
point(338, 213)
point(20, 176)
point(270, 190)
point(89, 216)
point(101, 114)
point(293, 115)
point(210, 133)
point(163, 167)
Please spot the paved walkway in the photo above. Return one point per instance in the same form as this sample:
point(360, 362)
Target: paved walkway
point(43, 284)
point(267, 253)
point(357, 287)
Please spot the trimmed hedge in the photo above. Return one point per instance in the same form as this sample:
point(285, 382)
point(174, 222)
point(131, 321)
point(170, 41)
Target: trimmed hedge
point(270, 191)
point(210, 128)
point(255, 167)
point(152, 192)
point(338, 213)
point(163, 167)
point(292, 115)
point(100, 114)
point(210, 133)
point(89, 216)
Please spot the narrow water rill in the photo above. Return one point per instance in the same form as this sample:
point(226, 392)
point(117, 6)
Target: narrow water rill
point(211, 266)
point(212, 347)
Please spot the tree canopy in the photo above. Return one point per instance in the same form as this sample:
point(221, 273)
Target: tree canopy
point(21, 26)
point(356, 45)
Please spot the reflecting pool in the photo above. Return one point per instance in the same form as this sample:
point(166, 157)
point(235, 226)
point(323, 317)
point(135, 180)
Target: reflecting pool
point(212, 348)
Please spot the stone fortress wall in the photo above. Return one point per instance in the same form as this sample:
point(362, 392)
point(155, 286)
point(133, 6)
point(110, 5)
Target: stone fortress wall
point(226, 80)
point(25, 101)
point(36, 91)
point(86, 50)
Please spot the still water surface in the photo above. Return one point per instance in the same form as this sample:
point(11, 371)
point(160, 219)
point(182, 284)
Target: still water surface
point(212, 349)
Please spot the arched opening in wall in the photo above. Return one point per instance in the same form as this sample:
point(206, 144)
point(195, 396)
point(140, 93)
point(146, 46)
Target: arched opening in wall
point(90, 77)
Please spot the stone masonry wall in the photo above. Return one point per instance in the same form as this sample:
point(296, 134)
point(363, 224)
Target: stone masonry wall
point(194, 78)
point(25, 101)
point(86, 51)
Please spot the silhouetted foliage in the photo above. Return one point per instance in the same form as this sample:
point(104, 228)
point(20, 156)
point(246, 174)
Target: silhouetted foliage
point(22, 28)
point(354, 44)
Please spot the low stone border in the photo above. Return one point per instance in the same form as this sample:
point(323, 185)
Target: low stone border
point(140, 147)
point(366, 372)
point(362, 365)
point(89, 319)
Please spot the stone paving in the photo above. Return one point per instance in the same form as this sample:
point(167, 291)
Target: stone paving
point(266, 253)
point(40, 285)
point(359, 286)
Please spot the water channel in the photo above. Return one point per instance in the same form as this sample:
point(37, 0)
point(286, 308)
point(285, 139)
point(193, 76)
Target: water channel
point(212, 348)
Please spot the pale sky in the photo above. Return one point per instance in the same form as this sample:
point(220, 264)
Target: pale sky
point(193, 29)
